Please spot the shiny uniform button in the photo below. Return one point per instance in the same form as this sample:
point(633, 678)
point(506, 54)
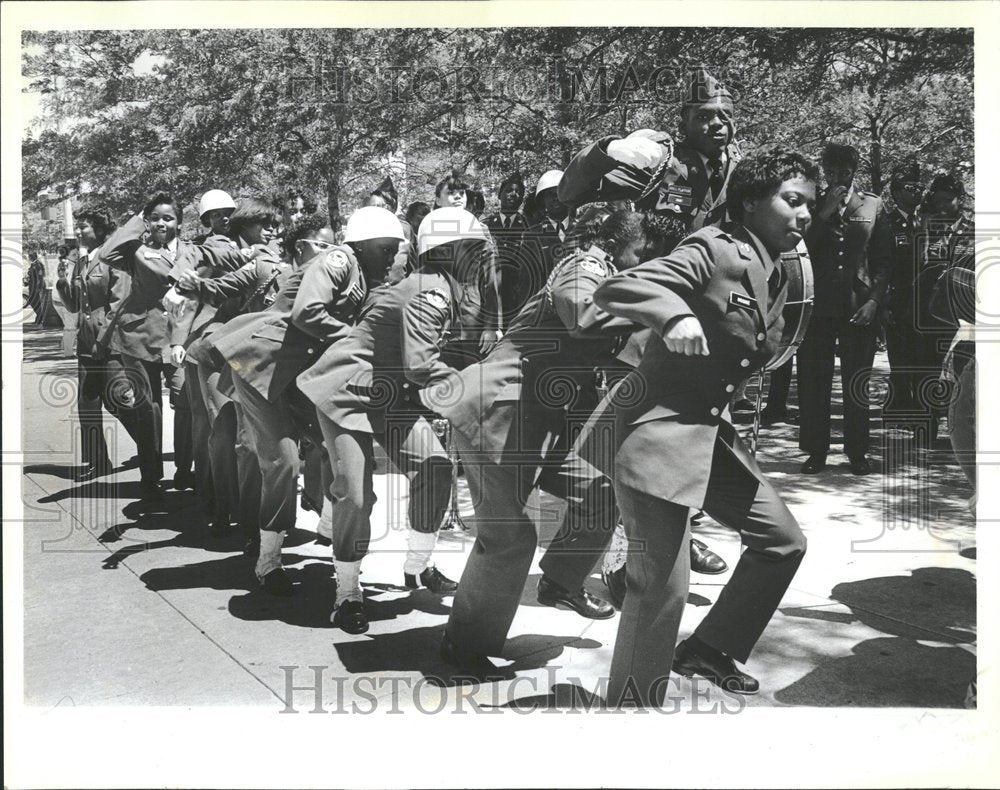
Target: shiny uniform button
point(714, 411)
point(310, 350)
point(744, 363)
point(761, 336)
point(730, 388)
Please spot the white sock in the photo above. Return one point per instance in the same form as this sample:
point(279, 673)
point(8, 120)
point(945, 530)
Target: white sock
point(270, 552)
point(420, 546)
point(325, 525)
point(348, 585)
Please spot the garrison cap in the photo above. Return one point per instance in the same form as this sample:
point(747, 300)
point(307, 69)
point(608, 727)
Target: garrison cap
point(704, 90)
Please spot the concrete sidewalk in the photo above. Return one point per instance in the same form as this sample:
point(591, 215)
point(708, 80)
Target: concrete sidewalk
point(126, 605)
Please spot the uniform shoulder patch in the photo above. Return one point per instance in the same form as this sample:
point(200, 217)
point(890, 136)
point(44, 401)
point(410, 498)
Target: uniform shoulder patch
point(437, 297)
point(337, 259)
point(592, 265)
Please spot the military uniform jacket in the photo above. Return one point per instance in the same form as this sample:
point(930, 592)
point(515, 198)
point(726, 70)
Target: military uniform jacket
point(850, 255)
point(196, 318)
point(683, 190)
point(507, 239)
point(94, 291)
point(141, 328)
point(669, 412)
point(540, 250)
point(940, 249)
point(545, 363)
point(249, 289)
point(314, 306)
point(391, 353)
point(903, 232)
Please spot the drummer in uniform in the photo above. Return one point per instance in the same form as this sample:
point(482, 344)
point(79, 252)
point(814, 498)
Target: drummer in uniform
point(716, 302)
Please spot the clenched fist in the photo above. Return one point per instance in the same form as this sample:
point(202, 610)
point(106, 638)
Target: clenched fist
point(640, 149)
point(685, 336)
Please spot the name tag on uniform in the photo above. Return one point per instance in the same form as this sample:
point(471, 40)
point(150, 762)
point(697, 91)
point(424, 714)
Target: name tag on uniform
point(902, 238)
point(859, 219)
point(742, 300)
point(678, 195)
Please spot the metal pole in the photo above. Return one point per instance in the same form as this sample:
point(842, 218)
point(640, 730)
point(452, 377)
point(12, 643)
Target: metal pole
point(756, 412)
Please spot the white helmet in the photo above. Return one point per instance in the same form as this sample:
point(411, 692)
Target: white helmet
point(549, 179)
point(448, 224)
point(214, 199)
point(372, 222)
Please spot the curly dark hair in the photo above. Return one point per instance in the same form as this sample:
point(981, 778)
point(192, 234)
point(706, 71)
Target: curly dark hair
point(99, 218)
point(163, 199)
point(304, 229)
point(763, 171)
point(613, 229)
point(282, 199)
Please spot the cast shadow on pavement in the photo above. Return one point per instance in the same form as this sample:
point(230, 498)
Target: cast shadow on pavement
point(418, 650)
point(932, 605)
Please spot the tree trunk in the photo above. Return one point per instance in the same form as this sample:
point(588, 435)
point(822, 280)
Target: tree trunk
point(876, 157)
point(333, 201)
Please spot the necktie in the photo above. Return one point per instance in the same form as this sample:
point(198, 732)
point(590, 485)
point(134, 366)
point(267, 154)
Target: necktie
point(715, 179)
point(506, 223)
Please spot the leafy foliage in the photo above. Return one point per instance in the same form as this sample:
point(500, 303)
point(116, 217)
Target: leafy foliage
point(333, 111)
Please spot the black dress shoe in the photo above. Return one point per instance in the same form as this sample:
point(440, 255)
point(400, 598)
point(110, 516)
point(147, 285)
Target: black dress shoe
point(714, 666)
point(814, 465)
point(744, 404)
point(92, 471)
point(183, 480)
point(615, 582)
point(581, 601)
point(860, 466)
point(307, 503)
point(769, 416)
point(350, 617)
point(475, 665)
point(432, 579)
point(148, 489)
point(706, 561)
point(131, 463)
point(277, 583)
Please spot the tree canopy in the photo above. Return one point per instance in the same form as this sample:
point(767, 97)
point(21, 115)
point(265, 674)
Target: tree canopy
point(334, 111)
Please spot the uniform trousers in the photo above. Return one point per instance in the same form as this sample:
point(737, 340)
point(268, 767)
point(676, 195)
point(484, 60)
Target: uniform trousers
point(221, 474)
point(201, 426)
point(411, 444)
point(932, 393)
point(272, 430)
point(901, 341)
point(506, 538)
point(781, 382)
point(101, 383)
point(962, 419)
point(659, 568)
point(816, 364)
point(146, 378)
